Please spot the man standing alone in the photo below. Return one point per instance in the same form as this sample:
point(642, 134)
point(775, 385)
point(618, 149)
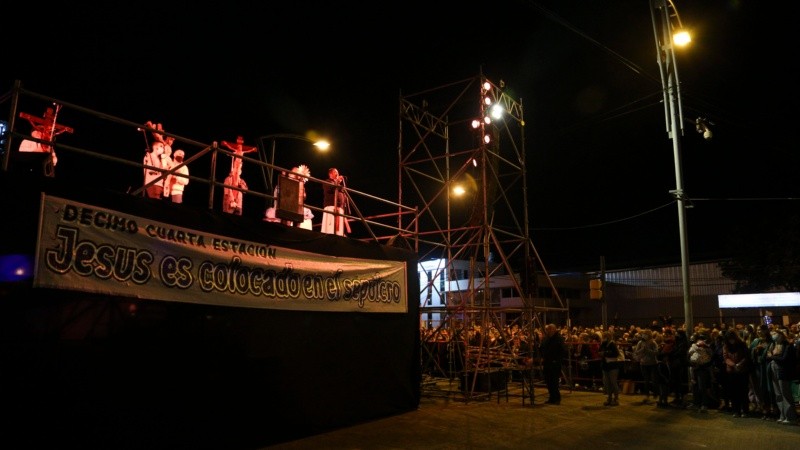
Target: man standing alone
point(553, 351)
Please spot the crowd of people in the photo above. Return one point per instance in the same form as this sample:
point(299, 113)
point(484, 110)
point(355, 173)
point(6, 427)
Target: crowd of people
point(744, 370)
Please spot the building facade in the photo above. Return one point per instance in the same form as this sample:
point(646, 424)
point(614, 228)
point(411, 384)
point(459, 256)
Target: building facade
point(635, 296)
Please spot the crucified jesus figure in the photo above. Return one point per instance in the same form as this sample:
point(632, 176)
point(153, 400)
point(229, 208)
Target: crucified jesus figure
point(239, 149)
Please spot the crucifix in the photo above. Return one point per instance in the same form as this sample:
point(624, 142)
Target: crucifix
point(46, 129)
point(239, 149)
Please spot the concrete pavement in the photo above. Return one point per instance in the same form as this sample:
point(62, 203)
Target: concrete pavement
point(445, 420)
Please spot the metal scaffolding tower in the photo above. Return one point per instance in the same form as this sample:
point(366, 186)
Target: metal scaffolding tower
point(462, 161)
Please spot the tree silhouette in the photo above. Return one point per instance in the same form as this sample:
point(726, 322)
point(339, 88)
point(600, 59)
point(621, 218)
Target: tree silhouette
point(768, 260)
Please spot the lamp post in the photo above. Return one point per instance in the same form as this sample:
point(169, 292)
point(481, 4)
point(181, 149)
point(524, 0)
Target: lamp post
point(320, 144)
point(665, 51)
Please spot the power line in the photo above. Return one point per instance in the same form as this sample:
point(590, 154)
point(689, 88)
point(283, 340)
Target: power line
point(625, 219)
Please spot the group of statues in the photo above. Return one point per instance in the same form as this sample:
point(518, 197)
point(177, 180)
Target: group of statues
point(159, 155)
point(166, 174)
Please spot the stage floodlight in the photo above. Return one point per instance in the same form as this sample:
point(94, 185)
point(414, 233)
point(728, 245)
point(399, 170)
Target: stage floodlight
point(496, 111)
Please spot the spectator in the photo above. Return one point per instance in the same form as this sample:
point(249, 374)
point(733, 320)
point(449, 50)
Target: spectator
point(665, 349)
point(646, 353)
point(679, 367)
point(552, 351)
point(699, 355)
point(719, 381)
point(759, 378)
point(737, 367)
point(611, 366)
point(782, 359)
point(583, 354)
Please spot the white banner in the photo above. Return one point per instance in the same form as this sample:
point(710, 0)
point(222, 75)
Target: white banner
point(86, 248)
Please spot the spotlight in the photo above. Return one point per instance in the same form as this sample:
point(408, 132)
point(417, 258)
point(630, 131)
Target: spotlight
point(496, 111)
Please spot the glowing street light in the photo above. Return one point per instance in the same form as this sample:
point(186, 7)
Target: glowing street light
point(681, 38)
point(665, 52)
point(321, 144)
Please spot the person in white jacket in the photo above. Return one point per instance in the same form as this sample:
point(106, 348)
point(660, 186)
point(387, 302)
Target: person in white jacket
point(177, 181)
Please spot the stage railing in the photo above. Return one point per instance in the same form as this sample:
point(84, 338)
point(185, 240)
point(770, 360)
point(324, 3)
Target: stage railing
point(120, 165)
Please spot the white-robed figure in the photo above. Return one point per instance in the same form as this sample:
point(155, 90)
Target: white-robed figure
point(232, 199)
point(308, 216)
point(157, 159)
point(154, 160)
point(334, 201)
point(175, 183)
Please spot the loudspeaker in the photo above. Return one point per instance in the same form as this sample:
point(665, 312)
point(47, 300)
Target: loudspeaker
point(290, 199)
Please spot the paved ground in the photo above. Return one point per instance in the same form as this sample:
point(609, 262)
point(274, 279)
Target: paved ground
point(447, 420)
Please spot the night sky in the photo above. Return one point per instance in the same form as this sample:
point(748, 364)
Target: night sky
point(600, 163)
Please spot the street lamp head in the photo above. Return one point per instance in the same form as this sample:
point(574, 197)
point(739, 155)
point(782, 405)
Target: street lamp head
point(680, 35)
point(322, 145)
point(681, 38)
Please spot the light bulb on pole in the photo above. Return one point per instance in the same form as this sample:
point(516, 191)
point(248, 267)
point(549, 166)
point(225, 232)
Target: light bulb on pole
point(322, 145)
point(665, 55)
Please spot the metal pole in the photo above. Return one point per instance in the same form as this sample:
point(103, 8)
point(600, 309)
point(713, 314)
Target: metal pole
point(665, 52)
point(680, 196)
point(271, 168)
point(604, 302)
